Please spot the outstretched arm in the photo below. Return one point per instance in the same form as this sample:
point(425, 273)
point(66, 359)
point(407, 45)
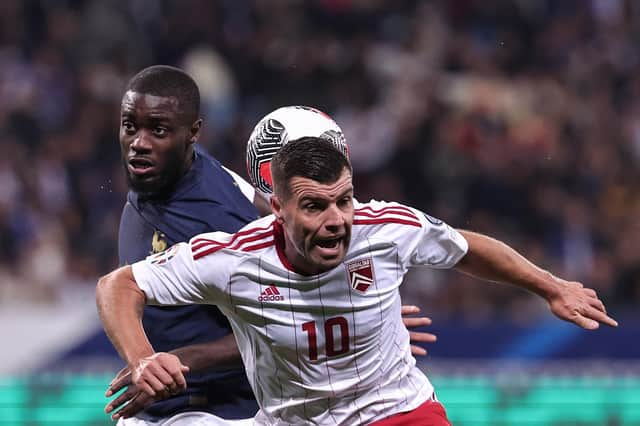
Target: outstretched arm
point(493, 260)
point(120, 303)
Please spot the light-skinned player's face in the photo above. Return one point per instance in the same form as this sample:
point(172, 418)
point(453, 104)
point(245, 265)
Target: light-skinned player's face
point(317, 220)
point(155, 139)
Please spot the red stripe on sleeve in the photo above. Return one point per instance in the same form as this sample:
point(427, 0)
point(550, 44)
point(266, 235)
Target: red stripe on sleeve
point(259, 246)
point(392, 209)
point(387, 213)
point(236, 241)
point(386, 220)
point(204, 243)
point(250, 239)
point(207, 252)
point(233, 239)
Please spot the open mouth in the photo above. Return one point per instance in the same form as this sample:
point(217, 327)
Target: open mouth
point(329, 243)
point(140, 166)
point(330, 249)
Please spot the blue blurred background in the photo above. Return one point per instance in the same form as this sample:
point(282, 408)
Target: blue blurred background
point(520, 119)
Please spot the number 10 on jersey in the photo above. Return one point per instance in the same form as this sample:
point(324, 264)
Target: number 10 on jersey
point(331, 327)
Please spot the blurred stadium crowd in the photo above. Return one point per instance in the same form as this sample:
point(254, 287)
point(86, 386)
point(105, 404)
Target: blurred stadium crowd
point(516, 118)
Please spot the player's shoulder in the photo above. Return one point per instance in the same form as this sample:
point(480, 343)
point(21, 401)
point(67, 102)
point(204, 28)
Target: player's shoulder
point(202, 182)
point(377, 214)
point(207, 163)
point(250, 239)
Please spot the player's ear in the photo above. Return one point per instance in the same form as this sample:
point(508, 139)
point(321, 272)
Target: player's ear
point(195, 130)
point(276, 208)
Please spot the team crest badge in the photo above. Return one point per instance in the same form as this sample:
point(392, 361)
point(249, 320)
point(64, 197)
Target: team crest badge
point(158, 242)
point(360, 274)
point(165, 256)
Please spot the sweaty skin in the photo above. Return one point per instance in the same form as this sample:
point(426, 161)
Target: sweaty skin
point(120, 300)
point(156, 141)
point(317, 220)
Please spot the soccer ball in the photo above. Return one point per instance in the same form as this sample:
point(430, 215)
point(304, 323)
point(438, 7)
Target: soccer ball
point(281, 126)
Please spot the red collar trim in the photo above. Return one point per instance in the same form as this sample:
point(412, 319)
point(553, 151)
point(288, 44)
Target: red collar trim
point(278, 234)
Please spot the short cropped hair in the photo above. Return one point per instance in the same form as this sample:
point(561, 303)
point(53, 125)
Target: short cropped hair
point(167, 81)
point(309, 157)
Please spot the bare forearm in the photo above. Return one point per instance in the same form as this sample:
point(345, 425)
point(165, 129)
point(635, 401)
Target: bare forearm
point(493, 260)
point(120, 303)
point(217, 355)
point(569, 300)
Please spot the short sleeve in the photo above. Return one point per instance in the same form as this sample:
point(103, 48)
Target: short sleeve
point(440, 246)
point(421, 240)
point(186, 273)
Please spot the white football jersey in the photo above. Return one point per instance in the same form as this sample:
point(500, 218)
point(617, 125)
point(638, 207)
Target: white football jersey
point(326, 349)
point(245, 187)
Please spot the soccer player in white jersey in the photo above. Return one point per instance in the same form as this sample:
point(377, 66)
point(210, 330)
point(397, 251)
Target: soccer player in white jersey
point(312, 296)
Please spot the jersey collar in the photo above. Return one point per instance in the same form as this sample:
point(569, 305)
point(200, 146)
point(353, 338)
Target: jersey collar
point(278, 235)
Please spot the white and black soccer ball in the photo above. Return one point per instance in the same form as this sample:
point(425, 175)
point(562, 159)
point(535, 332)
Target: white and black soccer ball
point(281, 126)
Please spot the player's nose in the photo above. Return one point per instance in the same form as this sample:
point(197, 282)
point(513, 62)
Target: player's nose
point(334, 218)
point(141, 142)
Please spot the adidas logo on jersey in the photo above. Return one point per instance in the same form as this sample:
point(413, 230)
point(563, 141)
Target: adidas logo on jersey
point(271, 294)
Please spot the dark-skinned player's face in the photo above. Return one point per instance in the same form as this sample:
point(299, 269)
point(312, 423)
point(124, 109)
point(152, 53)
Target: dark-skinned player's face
point(156, 141)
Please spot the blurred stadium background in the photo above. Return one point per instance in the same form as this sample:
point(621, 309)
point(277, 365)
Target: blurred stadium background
point(516, 118)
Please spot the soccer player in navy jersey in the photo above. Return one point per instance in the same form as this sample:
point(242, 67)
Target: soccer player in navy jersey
point(178, 191)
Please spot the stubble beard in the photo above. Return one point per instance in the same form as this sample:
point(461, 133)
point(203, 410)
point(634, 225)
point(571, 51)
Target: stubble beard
point(160, 184)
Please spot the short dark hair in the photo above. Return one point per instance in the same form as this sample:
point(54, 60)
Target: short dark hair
point(313, 158)
point(167, 81)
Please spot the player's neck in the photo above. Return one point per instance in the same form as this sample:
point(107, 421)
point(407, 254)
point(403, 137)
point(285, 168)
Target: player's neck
point(188, 160)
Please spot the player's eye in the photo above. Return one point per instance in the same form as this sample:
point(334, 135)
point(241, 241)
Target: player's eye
point(345, 201)
point(311, 207)
point(160, 131)
point(128, 126)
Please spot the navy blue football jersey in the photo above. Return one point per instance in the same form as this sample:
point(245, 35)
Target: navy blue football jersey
point(206, 199)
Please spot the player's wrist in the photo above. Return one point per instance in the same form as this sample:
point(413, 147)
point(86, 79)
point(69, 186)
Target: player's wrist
point(549, 286)
point(135, 359)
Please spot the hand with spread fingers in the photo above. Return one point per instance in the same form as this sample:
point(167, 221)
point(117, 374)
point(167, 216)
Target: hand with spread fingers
point(580, 305)
point(417, 336)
